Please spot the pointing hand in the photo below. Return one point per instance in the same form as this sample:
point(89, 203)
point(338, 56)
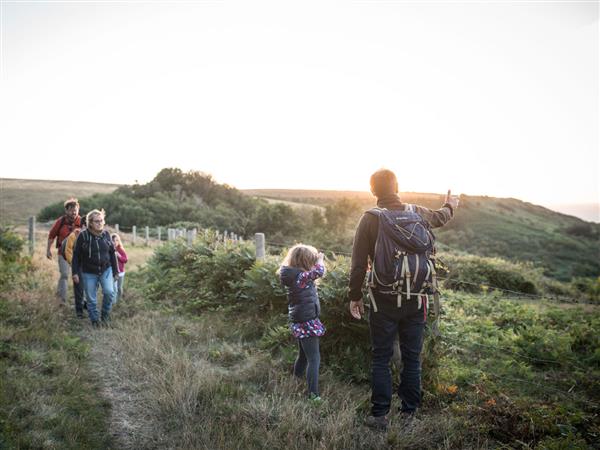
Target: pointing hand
point(452, 200)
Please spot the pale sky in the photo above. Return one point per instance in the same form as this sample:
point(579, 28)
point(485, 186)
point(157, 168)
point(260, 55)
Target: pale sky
point(487, 98)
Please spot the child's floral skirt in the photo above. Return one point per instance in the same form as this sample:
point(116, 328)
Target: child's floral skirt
point(302, 330)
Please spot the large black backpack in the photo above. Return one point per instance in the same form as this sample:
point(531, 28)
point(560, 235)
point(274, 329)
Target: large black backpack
point(403, 263)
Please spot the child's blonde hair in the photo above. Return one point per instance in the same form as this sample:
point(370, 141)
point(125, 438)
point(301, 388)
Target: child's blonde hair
point(301, 256)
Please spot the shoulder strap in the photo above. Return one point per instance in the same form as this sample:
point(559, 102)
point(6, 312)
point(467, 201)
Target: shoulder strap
point(375, 211)
point(62, 222)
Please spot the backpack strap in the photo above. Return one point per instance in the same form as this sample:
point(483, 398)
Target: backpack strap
point(372, 297)
point(62, 222)
point(376, 211)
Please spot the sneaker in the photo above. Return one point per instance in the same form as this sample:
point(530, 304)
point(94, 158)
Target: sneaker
point(315, 399)
point(377, 423)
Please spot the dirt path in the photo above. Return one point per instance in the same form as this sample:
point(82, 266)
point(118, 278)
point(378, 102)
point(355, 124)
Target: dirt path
point(129, 425)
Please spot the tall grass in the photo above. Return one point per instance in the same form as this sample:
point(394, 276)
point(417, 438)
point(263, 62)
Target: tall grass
point(49, 397)
point(205, 387)
point(502, 372)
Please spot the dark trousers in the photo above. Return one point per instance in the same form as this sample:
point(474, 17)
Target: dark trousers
point(408, 323)
point(309, 360)
point(79, 295)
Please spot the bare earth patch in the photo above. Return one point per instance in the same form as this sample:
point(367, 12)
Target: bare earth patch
point(130, 425)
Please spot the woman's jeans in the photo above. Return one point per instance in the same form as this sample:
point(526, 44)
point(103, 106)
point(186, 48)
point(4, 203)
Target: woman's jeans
point(308, 361)
point(90, 285)
point(408, 323)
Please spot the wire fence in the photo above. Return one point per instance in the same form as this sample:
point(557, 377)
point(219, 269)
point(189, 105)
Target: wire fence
point(510, 352)
point(479, 285)
point(190, 235)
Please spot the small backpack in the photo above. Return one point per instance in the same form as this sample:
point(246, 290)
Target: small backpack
point(403, 263)
point(63, 245)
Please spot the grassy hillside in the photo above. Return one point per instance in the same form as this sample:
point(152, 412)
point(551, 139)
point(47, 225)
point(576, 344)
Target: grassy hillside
point(563, 245)
point(20, 199)
point(172, 371)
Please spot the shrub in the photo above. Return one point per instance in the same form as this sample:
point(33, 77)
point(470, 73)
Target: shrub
point(12, 264)
point(588, 288)
point(478, 274)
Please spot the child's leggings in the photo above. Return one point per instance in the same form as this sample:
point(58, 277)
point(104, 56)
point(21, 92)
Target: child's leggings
point(309, 360)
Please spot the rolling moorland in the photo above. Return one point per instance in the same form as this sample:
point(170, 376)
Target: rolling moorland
point(20, 199)
point(518, 371)
point(563, 247)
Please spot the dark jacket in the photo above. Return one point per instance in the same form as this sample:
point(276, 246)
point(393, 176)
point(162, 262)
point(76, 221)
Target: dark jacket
point(363, 248)
point(303, 302)
point(94, 254)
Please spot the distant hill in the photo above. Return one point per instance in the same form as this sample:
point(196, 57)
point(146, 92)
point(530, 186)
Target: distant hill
point(20, 199)
point(563, 245)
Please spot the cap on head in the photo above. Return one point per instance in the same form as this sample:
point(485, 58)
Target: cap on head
point(384, 182)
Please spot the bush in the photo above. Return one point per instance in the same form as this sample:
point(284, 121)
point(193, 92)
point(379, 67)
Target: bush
point(588, 288)
point(478, 274)
point(12, 264)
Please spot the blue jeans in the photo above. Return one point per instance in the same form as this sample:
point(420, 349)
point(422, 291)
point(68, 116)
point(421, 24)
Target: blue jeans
point(90, 285)
point(309, 360)
point(408, 322)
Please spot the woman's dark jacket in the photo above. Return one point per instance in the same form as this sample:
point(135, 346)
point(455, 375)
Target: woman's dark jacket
point(94, 254)
point(303, 302)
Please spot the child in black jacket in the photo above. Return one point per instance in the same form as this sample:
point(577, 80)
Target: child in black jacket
point(298, 272)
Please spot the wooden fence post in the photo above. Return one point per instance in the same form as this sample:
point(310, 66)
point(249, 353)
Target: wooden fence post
point(134, 231)
point(147, 236)
point(31, 235)
point(259, 242)
point(158, 232)
point(117, 228)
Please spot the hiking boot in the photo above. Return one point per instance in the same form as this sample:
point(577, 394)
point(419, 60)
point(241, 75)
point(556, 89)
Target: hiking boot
point(377, 423)
point(85, 305)
point(95, 324)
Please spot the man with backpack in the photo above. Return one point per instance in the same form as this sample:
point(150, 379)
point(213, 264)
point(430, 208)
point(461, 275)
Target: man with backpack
point(68, 245)
point(395, 244)
point(63, 226)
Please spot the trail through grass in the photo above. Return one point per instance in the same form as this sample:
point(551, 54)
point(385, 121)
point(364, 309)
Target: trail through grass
point(162, 377)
